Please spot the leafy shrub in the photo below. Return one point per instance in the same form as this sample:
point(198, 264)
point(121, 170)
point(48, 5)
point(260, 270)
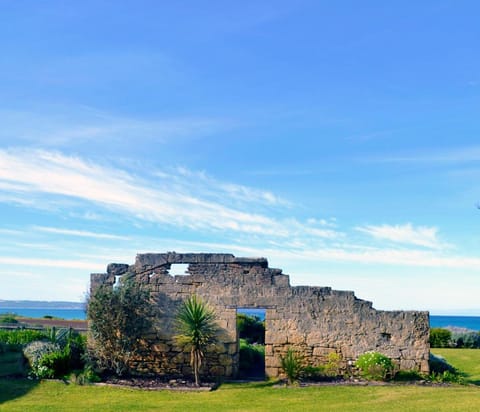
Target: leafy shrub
point(466, 339)
point(440, 338)
point(34, 352)
point(442, 371)
point(8, 318)
point(251, 328)
point(292, 365)
point(332, 367)
point(57, 362)
point(447, 377)
point(252, 359)
point(21, 336)
point(314, 373)
point(120, 318)
point(76, 346)
point(408, 375)
point(86, 376)
point(375, 366)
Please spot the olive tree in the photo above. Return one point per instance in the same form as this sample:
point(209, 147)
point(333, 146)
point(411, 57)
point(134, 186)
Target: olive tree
point(119, 319)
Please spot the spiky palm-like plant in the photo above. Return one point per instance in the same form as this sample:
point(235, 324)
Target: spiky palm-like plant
point(197, 329)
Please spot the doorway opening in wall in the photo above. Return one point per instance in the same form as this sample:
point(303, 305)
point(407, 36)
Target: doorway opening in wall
point(251, 336)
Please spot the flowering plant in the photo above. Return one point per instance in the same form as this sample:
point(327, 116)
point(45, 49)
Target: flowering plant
point(374, 365)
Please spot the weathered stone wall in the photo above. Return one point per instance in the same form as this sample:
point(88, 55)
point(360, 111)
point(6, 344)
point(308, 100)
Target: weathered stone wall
point(314, 320)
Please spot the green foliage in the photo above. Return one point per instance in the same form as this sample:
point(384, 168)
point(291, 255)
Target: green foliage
point(292, 365)
point(465, 360)
point(251, 328)
point(34, 352)
point(85, 376)
point(57, 363)
point(447, 377)
point(120, 318)
point(375, 366)
point(408, 376)
point(332, 367)
point(466, 340)
point(8, 318)
point(440, 338)
point(252, 359)
point(314, 373)
point(21, 336)
point(197, 329)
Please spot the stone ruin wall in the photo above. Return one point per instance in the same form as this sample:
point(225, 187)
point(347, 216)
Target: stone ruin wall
point(314, 320)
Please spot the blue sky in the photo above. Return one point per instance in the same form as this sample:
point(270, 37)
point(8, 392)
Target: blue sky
point(338, 139)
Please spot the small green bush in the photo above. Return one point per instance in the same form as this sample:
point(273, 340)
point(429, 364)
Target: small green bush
point(252, 359)
point(466, 340)
point(408, 375)
point(314, 373)
point(375, 366)
point(86, 376)
point(34, 352)
point(251, 328)
point(57, 363)
point(440, 338)
point(332, 367)
point(447, 377)
point(292, 365)
point(8, 318)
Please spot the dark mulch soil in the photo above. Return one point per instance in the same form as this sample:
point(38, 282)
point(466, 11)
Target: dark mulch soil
point(158, 384)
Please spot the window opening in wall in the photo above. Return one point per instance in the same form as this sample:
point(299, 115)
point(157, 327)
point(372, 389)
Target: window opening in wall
point(117, 283)
point(251, 335)
point(177, 269)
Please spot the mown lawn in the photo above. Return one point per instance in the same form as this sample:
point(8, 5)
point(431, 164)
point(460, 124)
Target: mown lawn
point(465, 360)
point(22, 395)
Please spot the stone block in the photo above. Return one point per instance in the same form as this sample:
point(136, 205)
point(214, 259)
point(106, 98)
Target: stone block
point(117, 269)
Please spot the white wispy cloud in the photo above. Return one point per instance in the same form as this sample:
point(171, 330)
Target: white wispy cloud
point(80, 233)
point(46, 173)
point(407, 234)
point(52, 263)
point(416, 258)
point(61, 126)
point(201, 182)
point(171, 199)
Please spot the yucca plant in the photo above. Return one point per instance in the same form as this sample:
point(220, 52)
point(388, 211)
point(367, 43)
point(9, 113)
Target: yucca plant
point(197, 329)
point(292, 365)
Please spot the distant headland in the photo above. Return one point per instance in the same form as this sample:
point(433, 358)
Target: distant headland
point(40, 304)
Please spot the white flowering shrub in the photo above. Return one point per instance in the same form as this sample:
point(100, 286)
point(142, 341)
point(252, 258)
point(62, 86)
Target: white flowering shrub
point(35, 352)
point(375, 366)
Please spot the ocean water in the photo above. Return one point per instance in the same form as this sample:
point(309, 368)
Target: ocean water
point(468, 322)
point(436, 321)
point(68, 314)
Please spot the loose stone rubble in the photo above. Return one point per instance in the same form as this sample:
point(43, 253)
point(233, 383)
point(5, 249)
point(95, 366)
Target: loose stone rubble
point(313, 320)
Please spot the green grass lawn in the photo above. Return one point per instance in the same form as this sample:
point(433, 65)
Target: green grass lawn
point(465, 360)
point(22, 395)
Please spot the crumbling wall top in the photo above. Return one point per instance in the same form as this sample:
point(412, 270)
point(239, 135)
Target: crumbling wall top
point(149, 260)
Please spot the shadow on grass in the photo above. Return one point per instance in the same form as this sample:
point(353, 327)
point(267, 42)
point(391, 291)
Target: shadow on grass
point(252, 384)
point(12, 388)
